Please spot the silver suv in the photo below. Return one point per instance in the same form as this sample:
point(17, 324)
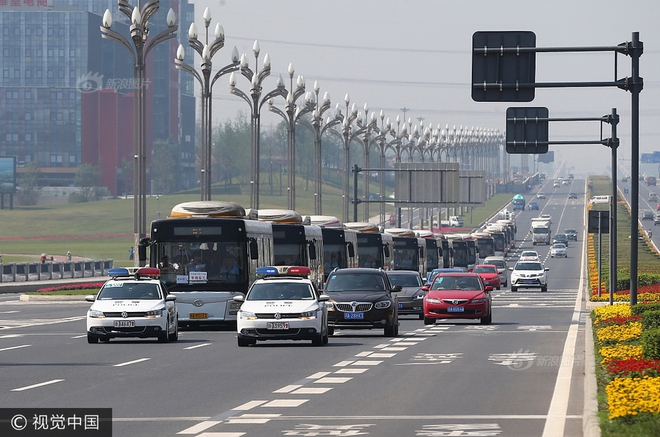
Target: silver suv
point(529, 274)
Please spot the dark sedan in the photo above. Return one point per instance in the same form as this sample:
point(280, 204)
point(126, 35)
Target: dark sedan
point(411, 295)
point(560, 238)
point(362, 298)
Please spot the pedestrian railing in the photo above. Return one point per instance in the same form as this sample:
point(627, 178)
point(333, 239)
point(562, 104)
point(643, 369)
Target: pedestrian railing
point(37, 271)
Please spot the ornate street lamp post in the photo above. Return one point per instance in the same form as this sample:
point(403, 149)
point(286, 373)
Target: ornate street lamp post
point(255, 101)
point(318, 128)
point(366, 124)
point(291, 115)
point(140, 49)
point(206, 52)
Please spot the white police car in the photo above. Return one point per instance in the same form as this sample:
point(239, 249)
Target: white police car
point(282, 305)
point(132, 306)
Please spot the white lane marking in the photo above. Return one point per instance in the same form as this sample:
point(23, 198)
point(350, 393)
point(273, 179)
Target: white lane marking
point(131, 362)
point(381, 355)
point(221, 434)
point(318, 375)
point(342, 363)
point(39, 322)
point(286, 403)
point(15, 347)
point(11, 335)
point(350, 371)
point(287, 388)
point(248, 405)
point(195, 429)
point(41, 384)
point(9, 312)
point(556, 420)
point(196, 346)
point(311, 390)
point(252, 418)
point(363, 354)
point(332, 380)
point(394, 349)
point(367, 363)
point(79, 336)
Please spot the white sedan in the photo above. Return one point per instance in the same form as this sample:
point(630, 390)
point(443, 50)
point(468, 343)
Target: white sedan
point(132, 306)
point(282, 307)
point(558, 250)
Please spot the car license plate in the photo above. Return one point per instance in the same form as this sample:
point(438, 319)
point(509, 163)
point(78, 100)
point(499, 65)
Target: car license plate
point(400, 305)
point(528, 281)
point(277, 325)
point(353, 315)
point(199, 316)
point(455, 309)
point(124, 323)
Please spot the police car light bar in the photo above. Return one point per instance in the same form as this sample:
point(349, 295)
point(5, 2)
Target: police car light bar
point(152, 272)
point(266, 271)
point(299, 270)
point(118, 271)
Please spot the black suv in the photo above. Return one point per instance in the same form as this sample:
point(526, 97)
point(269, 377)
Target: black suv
point(361, 298)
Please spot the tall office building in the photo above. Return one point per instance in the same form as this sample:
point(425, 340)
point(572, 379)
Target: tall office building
point(66, 93)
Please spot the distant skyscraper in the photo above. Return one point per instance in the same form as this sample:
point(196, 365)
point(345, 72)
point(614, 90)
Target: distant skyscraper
point(65, 93)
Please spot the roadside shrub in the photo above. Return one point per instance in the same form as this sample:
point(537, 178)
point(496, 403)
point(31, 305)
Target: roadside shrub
point(77, 198)
point(640, 309)
point(650, 320)
point(651, 344)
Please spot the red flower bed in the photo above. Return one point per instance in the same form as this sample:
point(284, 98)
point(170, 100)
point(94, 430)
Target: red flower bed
point(654, 288)
point(83, 286)
point(633, 368)
point(619, 320)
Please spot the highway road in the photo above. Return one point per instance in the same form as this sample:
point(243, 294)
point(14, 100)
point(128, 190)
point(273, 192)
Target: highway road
point(521, 376)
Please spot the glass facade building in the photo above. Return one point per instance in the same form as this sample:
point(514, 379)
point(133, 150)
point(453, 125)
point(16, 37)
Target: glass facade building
point(53, 58)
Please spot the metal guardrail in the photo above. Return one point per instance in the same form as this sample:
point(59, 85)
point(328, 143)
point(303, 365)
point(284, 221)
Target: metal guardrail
point(37, 271)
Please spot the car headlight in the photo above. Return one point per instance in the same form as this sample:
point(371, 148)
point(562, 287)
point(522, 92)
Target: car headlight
point(246, 315)
point(383, 304)
point(479, 300)
point(432, 300)
point(308, 315)
point(96, 314)
point(419, 296)
point(155, 313)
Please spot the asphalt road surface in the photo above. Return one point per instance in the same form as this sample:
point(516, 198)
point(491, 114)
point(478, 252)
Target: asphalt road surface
point(520, 376)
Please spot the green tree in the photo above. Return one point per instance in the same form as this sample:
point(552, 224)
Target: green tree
point(163, 167)
point(87, 178)
point(29, 183)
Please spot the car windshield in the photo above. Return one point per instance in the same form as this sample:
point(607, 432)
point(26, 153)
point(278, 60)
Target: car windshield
point(569, 231)
point(406, 280)
point(528, 266)
point(529, 253)
point(355, 282)
point(117, 290)
point(558, 246)
point(456, 283)
point(484, 269)
point(497, 262)
point(280, 291)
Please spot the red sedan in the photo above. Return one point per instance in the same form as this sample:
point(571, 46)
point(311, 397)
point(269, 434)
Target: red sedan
point(458, 296)
point(488, 273)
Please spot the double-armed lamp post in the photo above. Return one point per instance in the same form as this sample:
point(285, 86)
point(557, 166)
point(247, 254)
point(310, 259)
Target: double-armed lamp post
point(140, 48)
point(206, 52)
point(256, 102)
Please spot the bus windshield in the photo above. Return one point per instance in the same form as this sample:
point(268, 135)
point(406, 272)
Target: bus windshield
point(194, 263)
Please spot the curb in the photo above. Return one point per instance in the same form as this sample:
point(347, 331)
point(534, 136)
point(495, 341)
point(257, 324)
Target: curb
point(590, 419)
point(64, 298)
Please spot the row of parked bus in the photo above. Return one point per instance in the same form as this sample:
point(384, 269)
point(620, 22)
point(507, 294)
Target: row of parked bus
point(208, 251)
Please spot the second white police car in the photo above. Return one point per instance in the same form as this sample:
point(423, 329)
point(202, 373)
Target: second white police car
point(282, 305)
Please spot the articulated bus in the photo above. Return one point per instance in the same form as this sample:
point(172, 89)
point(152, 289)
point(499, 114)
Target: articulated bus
point(208, 252)
point(339, 244)
point(295, 243)
point(459, 249)
point(485, 244)
point(375, 249)
point(409, 251)
point(433, 251)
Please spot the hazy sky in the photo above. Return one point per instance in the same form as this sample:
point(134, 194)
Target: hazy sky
point(416, 54)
